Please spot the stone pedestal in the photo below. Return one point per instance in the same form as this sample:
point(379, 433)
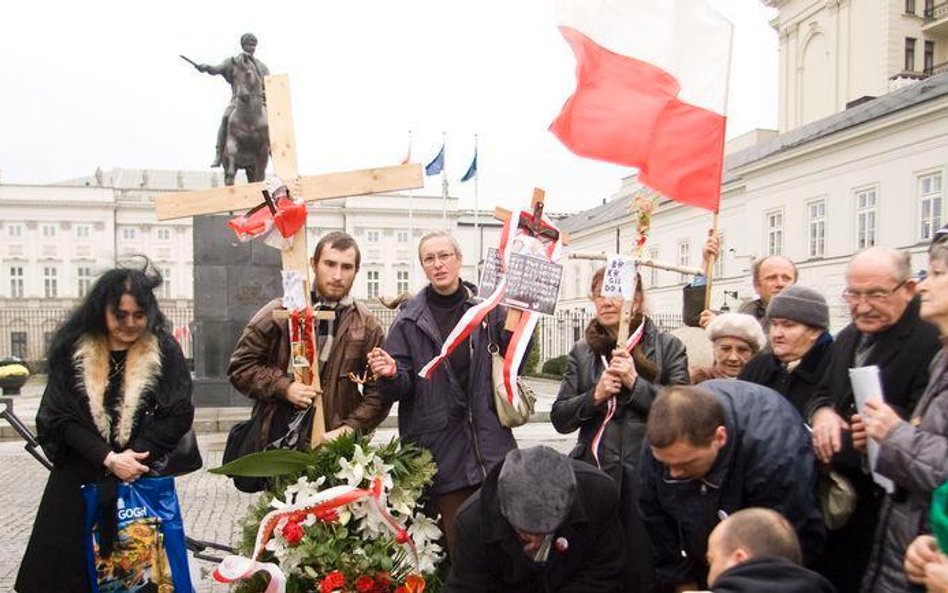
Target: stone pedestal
point(232, 280)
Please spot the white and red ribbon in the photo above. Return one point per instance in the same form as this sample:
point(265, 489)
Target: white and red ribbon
point(234, 568)
point(517, 347)
point(631, 343)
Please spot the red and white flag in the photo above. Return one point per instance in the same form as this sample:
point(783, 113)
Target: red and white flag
point(650, 92)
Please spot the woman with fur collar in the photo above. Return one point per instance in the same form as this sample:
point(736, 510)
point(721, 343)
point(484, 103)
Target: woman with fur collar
point(597, 374)
point(118, 397)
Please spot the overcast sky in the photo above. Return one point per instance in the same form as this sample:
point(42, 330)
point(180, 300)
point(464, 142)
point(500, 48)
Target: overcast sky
point(100, 84)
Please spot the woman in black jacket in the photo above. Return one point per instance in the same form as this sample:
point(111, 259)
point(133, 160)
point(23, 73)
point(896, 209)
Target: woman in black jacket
point(118, 398)
point(597, 372)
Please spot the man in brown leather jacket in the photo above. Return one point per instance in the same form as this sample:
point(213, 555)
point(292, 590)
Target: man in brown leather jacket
point(260, 362)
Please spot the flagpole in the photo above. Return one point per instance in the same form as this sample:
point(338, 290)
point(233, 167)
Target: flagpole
point(477, 226)
point(717, 213)
point(411, 223)
point(444, 181)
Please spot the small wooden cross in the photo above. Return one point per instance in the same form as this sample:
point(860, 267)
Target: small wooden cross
point(308, 188)
point(537, 228)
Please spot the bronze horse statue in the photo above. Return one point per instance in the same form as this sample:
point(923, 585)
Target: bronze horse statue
point(247, 144)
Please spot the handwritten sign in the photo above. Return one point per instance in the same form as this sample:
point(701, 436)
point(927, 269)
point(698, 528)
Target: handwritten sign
point(533, 284)
point(619, 281)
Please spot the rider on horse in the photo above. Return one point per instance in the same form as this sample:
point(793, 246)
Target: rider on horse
point(248, 43)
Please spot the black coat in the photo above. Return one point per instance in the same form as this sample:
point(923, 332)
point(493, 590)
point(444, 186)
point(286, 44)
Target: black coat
point(772, 574)
point(71, 434)
point(797, 386)
point(621, 444)
point(766, 462)
point(459, 428)
point(488, 557)
point(903, 354)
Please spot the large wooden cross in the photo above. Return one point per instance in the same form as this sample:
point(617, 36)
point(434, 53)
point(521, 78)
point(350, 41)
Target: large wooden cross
point(308, 188)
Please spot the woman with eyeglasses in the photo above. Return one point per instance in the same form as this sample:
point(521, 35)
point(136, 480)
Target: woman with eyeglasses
point(451, 413)
point(606, 394)
point(913, 453)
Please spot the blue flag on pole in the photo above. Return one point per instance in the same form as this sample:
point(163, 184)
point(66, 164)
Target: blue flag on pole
point(472, 170)
point(436, 165)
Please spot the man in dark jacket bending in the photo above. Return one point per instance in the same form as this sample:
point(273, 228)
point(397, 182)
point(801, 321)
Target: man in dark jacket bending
point(714, 450)
point(540, 523)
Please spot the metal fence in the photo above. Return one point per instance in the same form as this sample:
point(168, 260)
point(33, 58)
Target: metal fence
point(26, 332)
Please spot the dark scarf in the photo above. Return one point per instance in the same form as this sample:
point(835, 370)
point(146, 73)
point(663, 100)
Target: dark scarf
point(602, 341)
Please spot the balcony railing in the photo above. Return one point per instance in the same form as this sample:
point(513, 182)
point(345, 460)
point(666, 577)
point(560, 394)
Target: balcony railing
point(936, 12)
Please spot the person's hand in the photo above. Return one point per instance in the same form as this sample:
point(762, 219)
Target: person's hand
point(301, 395)
point(879, 419)
point(711, 248)
point(608, 386)
point(202, 67)
point(936, 575)
point(126, 465)
point(381, 363)
point(923, 550)
point(706, 317)
point(337, 432)
point(827, 428)
point(859, 433)
point(623, 367)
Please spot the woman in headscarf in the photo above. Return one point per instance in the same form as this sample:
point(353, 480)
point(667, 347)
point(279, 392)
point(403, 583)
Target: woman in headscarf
point(118, 398)
point(606, 393)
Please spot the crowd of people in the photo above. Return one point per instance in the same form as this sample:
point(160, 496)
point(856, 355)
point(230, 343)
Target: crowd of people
point(749, 473)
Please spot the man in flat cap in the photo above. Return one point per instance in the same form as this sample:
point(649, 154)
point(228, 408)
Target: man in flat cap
point(540, 522)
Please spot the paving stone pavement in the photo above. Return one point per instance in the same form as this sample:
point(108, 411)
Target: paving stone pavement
point(211, 506)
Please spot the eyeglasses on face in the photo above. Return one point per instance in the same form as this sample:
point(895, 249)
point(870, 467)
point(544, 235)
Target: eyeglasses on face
point(433, 258)
point(870, 296)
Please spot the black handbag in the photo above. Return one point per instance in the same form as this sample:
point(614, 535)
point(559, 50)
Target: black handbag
point(183, 459)
point(242, 439)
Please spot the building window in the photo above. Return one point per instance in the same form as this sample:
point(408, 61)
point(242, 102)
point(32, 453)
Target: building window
point(15, 230)
point(865, 218)
point(164, 234)
point(372, 284)
point(653, 272)
point(929, 9)
point(83, 231)
point(929, 196)
point(18, 344)
point(401, 281)
point(49, 231)
point(16, 282)
point(50, 289)
point(164, 291)
point(84, 277)
point(929, 66)
point(684, 258)
point(402, 236)
point(909, 6)
point(372, 236)
point(774, 221)
point(909, 54)
point(816, 228)
point(128, 234)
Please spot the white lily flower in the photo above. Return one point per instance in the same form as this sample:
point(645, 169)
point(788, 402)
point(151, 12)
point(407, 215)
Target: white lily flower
point(350, 471)
point(423, 530)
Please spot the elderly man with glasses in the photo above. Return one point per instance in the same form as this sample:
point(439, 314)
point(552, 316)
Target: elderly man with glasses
point(886, 331)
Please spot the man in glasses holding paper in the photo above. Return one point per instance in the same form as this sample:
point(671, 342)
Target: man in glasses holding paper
point(886, 331)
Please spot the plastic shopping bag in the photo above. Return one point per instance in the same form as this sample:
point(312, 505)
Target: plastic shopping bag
point(149, 551)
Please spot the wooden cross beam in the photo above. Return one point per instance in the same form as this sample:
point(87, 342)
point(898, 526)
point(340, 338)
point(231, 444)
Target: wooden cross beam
point(308, 188)
point(535, 226)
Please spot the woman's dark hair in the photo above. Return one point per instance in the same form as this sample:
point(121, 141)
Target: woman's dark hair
point(89, 317)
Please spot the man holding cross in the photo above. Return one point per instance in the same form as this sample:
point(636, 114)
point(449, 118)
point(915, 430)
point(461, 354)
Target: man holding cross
point(259, 364)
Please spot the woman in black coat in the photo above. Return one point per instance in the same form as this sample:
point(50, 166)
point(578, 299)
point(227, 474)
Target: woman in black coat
point(118, 398)
point(596, 372)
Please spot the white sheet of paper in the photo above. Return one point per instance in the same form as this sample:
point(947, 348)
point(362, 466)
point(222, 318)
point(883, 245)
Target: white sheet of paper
point(294, 298)
point(619, 281)
point(866, 386)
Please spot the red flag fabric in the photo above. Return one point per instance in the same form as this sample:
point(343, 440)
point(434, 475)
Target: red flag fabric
point(650, 91)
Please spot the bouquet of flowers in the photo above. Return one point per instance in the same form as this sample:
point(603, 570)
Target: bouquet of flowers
point(642, 208)
point(344, 518)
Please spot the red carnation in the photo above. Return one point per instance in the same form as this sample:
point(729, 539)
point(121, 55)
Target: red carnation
point(327, 515)
point(402, 536)
point(333, 581)
point(364, 584)
point(383, 578)
point(292, 533)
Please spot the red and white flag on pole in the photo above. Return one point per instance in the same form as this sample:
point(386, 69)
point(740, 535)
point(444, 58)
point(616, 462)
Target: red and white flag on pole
point(651, 91)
